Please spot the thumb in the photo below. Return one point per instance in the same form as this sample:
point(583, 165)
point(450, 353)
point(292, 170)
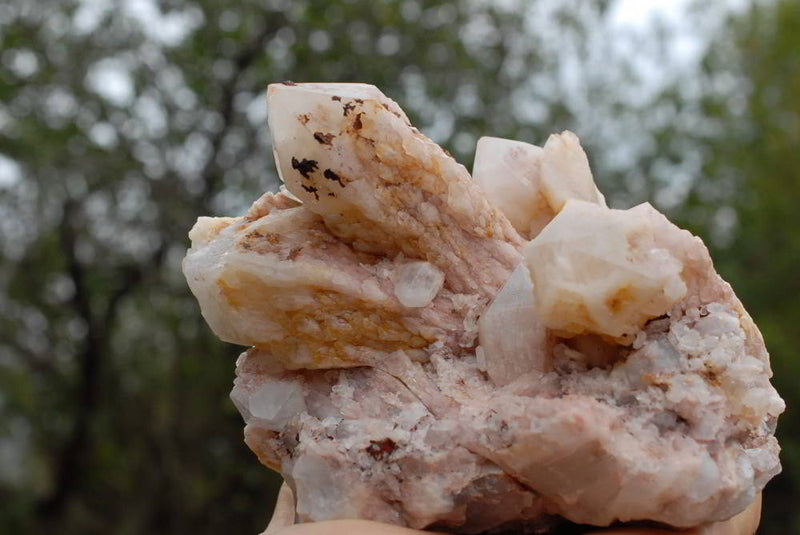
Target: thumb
point(283, 515)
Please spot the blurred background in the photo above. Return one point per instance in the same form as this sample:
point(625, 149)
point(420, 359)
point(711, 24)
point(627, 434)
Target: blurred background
point(121, 121)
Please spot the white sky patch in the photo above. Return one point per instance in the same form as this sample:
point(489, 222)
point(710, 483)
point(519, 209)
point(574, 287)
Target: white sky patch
point(257, 109)
point(639, 13)
point(104, 135)
point(634, 24)
point(88, 16)
point(639, 18)
point(151, 114)
point(111, 79)
point(22, 61)
point(688, 32)
point(10, 171)
point(166, 28)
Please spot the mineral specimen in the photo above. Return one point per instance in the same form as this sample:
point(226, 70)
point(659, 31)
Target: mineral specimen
point(468, 355)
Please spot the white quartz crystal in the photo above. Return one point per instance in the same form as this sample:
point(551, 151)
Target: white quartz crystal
point(320, 493)
point(417, 283)
point(275, 403)
point(597, 270)
point(565, 172)
point(509, 172)
point(512, 338)
point(530, 184)
point(350, 155)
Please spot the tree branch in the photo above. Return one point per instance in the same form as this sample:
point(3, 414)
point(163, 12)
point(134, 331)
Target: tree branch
point(70, 461)
point(241, 62)
point(69, 468)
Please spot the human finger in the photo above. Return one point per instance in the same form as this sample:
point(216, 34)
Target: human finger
point(283, 515)
point(349, 527)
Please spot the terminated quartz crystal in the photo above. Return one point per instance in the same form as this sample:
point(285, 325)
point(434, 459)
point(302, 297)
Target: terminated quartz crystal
point(602, 271)
point(483, 353)
point(531, 184)
point(513, 339)
point(417, 283)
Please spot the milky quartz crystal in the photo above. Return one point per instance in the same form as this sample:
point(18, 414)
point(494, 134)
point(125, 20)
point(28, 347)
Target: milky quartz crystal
point(531, 184)
point(478, 354)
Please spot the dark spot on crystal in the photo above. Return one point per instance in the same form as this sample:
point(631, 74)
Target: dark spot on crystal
point(659, 318)
point(304, 167)
point(293, 253)
point(304, 118)
point(360, 101)
point(357, 122)
point(311, 189)
point(331, 194)
point(711, 377)
point(390, 110)
point(288, 82)
point(330, 175)
point(324, 139)
point(336, 99)
point(380, 449)
point(348, 107)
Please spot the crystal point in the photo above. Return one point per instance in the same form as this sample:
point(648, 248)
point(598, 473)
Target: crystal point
point(531, 184)
point(600, 271)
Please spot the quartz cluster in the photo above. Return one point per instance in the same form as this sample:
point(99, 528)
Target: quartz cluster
point(474, 353)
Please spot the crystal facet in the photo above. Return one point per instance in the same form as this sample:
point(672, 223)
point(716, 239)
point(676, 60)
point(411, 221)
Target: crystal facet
point(417, 283)
point(531, 184)
point(600, 271)
point(512, 337)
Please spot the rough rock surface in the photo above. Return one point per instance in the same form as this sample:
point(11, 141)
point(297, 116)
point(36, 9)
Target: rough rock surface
point(415, 360)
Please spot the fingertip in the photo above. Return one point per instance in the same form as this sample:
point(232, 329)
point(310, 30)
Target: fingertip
point(352, 527)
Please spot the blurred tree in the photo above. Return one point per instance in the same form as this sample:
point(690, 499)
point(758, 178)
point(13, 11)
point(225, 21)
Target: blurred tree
point(120, 123)
point(754, 98)
point(726, 165)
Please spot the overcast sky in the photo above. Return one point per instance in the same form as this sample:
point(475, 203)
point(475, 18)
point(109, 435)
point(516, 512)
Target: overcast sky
point(638, 17)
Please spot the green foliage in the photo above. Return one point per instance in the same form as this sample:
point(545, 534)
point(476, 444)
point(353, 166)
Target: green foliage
point(758, 157)
point(124, 127)
point(738, 116)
